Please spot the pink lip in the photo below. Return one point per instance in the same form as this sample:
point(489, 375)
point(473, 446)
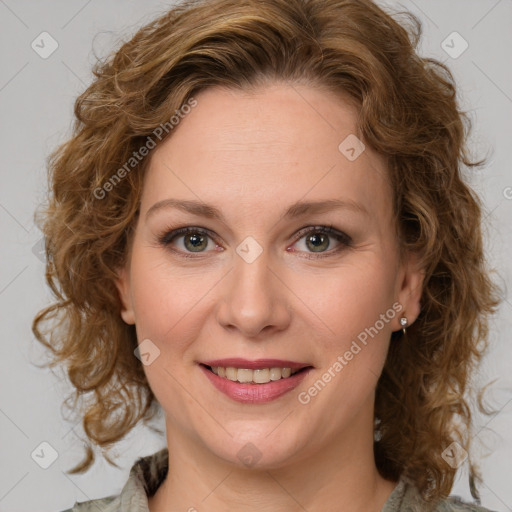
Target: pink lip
point(255, 393)
point(237, 362)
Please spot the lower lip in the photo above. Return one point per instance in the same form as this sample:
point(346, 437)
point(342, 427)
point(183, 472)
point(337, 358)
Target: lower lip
point(255, 393)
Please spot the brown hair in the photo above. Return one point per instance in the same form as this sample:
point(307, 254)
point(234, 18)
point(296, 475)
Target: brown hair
point(407, 111)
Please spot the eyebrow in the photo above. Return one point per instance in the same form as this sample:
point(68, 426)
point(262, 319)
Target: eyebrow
point(297, 209)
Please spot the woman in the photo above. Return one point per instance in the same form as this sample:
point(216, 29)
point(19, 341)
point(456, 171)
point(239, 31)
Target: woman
point(260, 225)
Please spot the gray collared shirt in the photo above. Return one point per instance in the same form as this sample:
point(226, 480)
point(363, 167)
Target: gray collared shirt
point(149, 472)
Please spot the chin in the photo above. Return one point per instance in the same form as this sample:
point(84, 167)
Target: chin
point(258, 453)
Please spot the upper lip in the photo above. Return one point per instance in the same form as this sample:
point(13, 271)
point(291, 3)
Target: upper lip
point(237, 362)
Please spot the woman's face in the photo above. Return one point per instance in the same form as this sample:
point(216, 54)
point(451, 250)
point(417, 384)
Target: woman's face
point(299, 264)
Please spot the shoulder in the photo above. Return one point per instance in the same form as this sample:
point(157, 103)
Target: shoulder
point(145, 476)
point(406, 498)
point(108, 504)
point(455, 504)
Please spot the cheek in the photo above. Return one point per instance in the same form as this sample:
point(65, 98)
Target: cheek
point(351, 298)
point(357, 306)
point(165, 298)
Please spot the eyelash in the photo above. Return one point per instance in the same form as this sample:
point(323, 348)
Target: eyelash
point(346, 241)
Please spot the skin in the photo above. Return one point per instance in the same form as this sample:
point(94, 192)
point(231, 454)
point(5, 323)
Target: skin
point(251, 155)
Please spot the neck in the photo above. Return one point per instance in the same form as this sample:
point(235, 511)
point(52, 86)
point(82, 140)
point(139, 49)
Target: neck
point(342, 477)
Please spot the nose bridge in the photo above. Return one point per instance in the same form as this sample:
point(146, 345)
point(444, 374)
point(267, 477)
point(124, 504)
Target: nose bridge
point(253, 298)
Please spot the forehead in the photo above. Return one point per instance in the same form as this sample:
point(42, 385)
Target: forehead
point(266, 148)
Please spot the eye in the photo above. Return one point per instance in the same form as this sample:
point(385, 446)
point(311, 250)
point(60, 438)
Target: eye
point(318, 239)
point(193, 240)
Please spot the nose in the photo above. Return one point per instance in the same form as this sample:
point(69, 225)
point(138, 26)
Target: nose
point(254, 299)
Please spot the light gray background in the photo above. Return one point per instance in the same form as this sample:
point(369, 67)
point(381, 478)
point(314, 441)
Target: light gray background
point(36, 99)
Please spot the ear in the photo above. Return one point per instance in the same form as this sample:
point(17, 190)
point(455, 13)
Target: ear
point(123, 286)
point(410, 287)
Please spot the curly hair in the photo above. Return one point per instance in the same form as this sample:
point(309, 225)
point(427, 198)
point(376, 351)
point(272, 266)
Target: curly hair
point(408, 112)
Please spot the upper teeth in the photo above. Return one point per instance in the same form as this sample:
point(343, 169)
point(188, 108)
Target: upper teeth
point(259, 376)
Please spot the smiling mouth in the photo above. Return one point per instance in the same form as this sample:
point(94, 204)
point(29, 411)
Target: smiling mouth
point(258, 376)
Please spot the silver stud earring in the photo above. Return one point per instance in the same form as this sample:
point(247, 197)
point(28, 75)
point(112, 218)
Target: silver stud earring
point(403, 323)
point(377, 433)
